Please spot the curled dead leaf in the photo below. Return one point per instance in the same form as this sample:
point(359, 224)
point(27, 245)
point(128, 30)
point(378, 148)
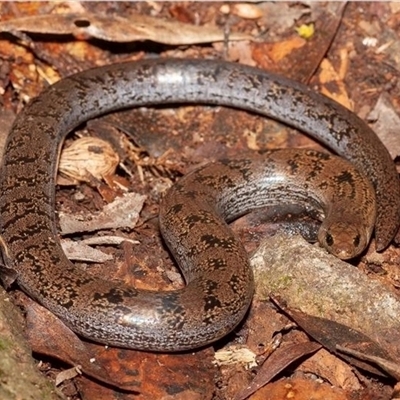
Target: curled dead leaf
point(88, 157)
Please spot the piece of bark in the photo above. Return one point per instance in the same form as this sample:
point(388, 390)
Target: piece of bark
point(308, 278)
point(20, 377)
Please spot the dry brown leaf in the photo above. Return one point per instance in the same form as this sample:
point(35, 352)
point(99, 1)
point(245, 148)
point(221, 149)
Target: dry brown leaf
point(240, 51)
point(123, 212)
point(331, 369)
point(82, 252)
point(333, 335)
point(391, 367)
point(48, 335)
point(386, 124)
point(279, 16)
point(68, 374)
point(300, 389)
point(186, 376)
point(332, 85)
point(118, 29)
point(276, 363)
point(280, 50)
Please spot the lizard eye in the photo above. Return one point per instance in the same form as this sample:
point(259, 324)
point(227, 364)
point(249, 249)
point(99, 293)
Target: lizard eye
point(329, 239)
point(356, 241)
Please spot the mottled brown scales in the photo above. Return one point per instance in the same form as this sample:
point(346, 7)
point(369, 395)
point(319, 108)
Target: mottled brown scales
point(219, 279)
point(201, 217)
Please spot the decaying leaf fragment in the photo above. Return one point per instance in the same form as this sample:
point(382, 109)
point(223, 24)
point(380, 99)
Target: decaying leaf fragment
point(121, 213)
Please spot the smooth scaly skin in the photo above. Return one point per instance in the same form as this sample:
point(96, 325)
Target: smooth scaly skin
point(216, 298)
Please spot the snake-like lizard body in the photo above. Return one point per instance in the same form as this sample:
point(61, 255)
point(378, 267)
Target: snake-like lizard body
point(219, 280)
